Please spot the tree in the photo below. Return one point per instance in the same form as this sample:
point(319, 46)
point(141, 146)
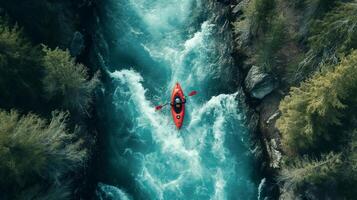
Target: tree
point(306, 174)
point(66, 80)
point(270, 46)
point(313, 171)
point(35, 153)
point(311, 110)
point(20, 69)
point(338, 38)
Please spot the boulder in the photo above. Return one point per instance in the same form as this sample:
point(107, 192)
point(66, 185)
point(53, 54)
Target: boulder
point(258, 84)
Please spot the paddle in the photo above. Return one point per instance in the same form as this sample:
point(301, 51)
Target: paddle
point(194, 92)
point(159, 107)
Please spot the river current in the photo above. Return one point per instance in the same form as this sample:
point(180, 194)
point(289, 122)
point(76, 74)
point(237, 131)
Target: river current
point(158, 43)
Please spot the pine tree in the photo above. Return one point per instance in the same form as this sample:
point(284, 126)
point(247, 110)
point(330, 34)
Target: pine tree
point(331, 37)
point(317, 105)
point(20, 68)
point(34, 152)
point(310, 171)
point(67, 80)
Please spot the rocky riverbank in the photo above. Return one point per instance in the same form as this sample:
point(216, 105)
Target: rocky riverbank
point(289, 55)
point(263, 95)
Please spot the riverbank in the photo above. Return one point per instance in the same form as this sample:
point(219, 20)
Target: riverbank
point(286, 50)
point(263, 95)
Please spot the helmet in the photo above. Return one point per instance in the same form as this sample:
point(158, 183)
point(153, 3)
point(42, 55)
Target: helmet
point(177, 100)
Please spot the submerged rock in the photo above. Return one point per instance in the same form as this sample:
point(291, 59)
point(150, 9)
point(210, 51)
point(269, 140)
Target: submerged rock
point(259, 84)
point(77, 44)
point(108, 192)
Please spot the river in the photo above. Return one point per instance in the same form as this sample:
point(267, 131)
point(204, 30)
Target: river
point(151, 45)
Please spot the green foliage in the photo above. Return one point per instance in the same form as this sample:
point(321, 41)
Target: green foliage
point(34, 151)
point(67, 80)
point(317, 8)
point(310, 171)
point(316, 176)
point(258, 13)
point(20, 68)
point(38, 192)
point(331, 38)
point(28, 74)
point(272, 43)
point(310, 111)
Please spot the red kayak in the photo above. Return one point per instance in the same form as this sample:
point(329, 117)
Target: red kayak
point(178, 105)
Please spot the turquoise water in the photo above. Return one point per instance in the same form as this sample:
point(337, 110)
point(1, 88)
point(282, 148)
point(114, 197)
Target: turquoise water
point(158, 43)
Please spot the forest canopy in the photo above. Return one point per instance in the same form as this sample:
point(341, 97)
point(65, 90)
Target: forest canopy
point(34, 151)
point(39, 150)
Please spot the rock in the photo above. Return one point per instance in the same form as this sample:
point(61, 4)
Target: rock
point(77, 44)
point(238, 8)
point(273, 117)
point(268, 114)
point(274, 154)
point(259, 84)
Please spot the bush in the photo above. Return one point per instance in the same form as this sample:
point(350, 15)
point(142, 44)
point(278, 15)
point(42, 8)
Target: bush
point(33, 151)
point(20, 69)
point(310, 112)
point(66, 80)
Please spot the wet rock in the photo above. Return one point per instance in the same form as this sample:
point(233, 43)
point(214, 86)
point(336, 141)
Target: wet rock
point(77, 44)
point(273, 117)
point(259, 84)
point(274, 154)
point(268, 114)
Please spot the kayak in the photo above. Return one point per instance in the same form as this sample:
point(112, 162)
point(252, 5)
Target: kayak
point(178, 111)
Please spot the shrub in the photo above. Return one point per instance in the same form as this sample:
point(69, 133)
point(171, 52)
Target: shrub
point(310, 112)
point(34, 151)
point(66, 80)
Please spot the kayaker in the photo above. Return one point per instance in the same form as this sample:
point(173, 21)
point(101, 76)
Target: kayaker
point(177, 103)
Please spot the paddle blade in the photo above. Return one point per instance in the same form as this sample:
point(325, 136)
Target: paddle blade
point(192, 93)
point(158, 107)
